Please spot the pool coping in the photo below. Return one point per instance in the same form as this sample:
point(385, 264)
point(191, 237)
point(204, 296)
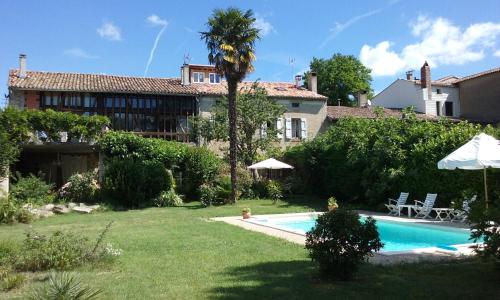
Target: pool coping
point(386, 257)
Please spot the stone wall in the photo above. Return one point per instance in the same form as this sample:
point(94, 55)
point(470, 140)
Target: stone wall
point(480, 98)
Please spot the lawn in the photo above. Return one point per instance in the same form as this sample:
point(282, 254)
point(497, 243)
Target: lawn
point(178, 253)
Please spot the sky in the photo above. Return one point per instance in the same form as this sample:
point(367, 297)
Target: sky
point(152, 38)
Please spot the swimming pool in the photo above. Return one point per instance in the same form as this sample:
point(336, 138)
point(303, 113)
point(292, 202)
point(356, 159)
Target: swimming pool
point(396, 236)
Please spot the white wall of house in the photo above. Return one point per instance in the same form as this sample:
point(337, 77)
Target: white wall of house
point(309, 113)
point(401, 94)
point(446, 94)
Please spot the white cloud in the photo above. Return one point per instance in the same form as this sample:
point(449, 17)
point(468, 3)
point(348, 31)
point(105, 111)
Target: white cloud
point(497, 53)
point(264, 26)
point(440, 43)
point(189, 29)
point(154, 20)
point(381, 60)
point(110, 31)
point(79, 53)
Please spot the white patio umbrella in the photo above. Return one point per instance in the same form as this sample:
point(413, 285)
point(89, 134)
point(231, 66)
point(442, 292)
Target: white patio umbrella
point(480, 153)
point(270, 164)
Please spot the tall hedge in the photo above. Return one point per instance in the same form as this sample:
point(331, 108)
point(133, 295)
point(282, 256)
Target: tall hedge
point(369, 160)
point(195, 165)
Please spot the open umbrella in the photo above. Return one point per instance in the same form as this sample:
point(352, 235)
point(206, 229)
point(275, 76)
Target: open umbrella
point(480, 153)
point(270, 164)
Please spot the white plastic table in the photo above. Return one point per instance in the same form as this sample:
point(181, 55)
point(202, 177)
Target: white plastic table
point(408, 206)
point(443, 214)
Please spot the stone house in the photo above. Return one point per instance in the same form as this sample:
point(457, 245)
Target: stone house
point(150, 107)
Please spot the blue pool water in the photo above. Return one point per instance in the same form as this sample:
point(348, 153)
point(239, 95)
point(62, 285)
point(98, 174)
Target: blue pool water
point(396, 236)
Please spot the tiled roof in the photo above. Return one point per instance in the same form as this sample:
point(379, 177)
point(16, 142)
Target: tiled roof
point(274, 89)
point(449, 83)
point(338, 112)
point(479, 74)
point(52, 81)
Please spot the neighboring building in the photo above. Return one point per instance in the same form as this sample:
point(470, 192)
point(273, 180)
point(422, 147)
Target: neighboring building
point(434, 98)
point(151, 107)
point(480, 96)
point(475, 98)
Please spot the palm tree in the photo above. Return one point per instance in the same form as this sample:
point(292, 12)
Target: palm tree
point(230, 40)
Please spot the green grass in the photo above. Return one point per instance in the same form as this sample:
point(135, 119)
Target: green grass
point(178, 253)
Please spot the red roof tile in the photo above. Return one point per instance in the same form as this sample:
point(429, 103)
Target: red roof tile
point(52, 81)
point(338, 112)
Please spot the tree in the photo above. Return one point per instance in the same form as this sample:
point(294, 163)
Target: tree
point(339, 77)
point(230, 40)
point(9, 152)
point(256, 113)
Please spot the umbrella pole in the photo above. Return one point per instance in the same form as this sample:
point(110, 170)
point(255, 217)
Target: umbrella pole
point(485, 188)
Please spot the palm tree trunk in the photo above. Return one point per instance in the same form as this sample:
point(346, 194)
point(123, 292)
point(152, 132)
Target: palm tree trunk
point(232, 87)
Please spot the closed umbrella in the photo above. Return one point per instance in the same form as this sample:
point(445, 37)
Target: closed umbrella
point(480, 153)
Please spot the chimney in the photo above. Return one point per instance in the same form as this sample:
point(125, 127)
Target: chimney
point(185, 78)
point(22, 65)
point(312, 83)
point(362, 99)
point(425, 80)
point(409, 75)
point(298, 79)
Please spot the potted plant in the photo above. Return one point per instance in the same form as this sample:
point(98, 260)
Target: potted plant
point(246, 213)
point(332, 204)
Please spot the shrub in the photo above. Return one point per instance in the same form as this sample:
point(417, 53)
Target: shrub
point(340, 242)
point(259, 188)
point(223, 187)
point(201, 166)
point(80, 188)
point(274, 190)
point(197, 165)
point(485, 229)
point(63, 286)
point(11, 212)
point(134, 183)
point(208, 194)
point(12, 281)
point(60, 251)
point(31, 190)
point(168, 198)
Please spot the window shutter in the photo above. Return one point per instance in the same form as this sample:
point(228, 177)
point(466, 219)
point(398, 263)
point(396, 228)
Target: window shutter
point(263, 130)
point(279, 127)
point(303, 128)
point(288, 128)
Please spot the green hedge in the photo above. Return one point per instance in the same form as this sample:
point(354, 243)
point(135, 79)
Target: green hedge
point(367, 161)
point(195, 165)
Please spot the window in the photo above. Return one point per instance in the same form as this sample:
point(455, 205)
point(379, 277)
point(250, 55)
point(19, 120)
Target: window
point(438, 91)
point(198, 77)
point(296, 129)
point(214, 78)
point(448, 109)
point(51, 100)
point(295, 104)
point(89, 101)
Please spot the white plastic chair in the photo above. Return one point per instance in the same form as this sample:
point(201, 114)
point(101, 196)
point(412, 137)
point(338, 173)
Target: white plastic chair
point(393, 205)
point(424, 209)
point(462, 214)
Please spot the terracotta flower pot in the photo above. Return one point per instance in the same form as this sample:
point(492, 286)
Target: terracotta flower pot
point(332, 207)
point(246, 215)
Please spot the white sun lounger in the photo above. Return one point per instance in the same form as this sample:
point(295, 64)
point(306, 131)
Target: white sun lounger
point(394, 204)
point(424, 209)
